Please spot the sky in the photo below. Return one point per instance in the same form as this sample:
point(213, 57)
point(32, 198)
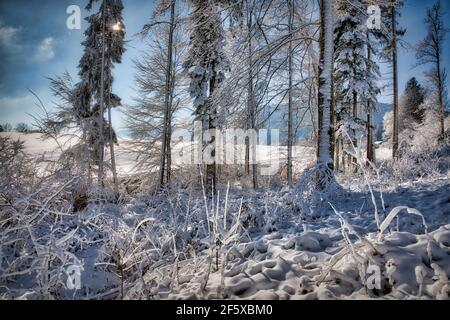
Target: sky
point(412, 18)
point(35, 43)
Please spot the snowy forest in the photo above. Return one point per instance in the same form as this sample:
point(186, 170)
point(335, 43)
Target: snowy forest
point(271, 151)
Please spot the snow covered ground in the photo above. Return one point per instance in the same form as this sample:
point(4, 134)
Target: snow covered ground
point(303, 156)
point(242, 245)
point(316, 258)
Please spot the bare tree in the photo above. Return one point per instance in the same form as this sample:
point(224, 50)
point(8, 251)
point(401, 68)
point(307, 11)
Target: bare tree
point(430, 51)
point(150, 120)
point(393, 48)
point(162, 8)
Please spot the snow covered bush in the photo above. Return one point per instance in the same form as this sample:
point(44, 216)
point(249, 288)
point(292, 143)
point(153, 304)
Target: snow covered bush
point(423, 152)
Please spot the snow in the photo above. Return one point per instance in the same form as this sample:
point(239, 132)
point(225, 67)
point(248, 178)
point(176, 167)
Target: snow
point(36, 146)
point(377, 229)
point(293, 264)
point(260, 245)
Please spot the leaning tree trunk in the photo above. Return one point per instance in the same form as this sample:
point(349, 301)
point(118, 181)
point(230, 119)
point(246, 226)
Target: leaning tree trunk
point(111, 149)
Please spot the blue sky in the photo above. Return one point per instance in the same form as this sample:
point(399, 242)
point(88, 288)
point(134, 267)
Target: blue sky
point(412, 17)
point(35, 43)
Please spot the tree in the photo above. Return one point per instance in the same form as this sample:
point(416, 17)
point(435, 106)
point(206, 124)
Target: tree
point(355, 74)
point(392, 49)
point(6, 127)
point(273, 78)
point(22, 128)
point(411, 104)
point(163, 7)
point(251, 101)
point(207, 63)
point(430, 51)
point(325, 83)
point(150, 120)
point(104, 46)
point(291, 7)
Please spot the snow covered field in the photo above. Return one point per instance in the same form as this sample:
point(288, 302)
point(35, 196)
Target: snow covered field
point(126, 160)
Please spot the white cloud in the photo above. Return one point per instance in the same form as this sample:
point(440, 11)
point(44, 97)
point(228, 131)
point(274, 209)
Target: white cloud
point(9, 36)
point(45, 50)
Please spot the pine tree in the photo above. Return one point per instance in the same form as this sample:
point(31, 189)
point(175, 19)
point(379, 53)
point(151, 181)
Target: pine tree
point(411, 108)
point(355, 74)
point(104, 46)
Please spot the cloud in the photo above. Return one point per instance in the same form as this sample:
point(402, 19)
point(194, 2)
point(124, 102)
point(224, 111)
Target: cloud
point(45, 50)
point(9, 36)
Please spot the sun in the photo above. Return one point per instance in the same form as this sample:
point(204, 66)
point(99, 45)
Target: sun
point(117, 26)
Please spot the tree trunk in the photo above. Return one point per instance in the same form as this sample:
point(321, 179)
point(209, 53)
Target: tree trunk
point(369, 151)
point(101, 141)
point(337, 151)
point(165, 148)
point(251, 108)
point(211, 170)
point(325, 82)
point(320, 98)
point(111, 149)
point(395, 131)
point(290, 141)
point(440, 92)
point(355, 140)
